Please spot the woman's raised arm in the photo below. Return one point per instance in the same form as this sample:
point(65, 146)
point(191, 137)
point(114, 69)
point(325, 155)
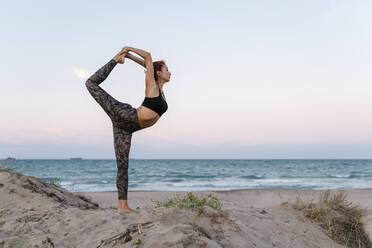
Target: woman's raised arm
point(140, 52)
point(150, 80)
point(136, 59)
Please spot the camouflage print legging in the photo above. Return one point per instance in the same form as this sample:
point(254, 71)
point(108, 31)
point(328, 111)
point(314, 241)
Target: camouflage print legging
point(124, 121)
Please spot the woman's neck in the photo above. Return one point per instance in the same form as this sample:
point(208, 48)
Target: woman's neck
point(160, 85)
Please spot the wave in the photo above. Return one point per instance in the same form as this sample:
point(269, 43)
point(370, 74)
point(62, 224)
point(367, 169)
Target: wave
point(253, 177)
point(351, 176)
point(342, 176)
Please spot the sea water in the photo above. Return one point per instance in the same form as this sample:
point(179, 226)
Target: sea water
point(90, 175)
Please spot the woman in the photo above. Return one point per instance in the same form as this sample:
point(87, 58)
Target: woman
point(126, 119)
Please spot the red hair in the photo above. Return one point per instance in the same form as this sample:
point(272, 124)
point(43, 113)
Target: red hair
point(158, 65)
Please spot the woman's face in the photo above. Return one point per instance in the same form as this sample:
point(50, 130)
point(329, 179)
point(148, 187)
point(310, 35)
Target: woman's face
point(164, 74)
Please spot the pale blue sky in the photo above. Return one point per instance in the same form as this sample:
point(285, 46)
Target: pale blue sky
point(250, 79)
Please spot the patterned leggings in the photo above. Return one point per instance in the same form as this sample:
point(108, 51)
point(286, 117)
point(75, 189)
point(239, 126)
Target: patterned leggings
point(124, 121)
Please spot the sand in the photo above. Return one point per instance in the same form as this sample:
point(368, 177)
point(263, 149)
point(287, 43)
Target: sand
point(38, 214)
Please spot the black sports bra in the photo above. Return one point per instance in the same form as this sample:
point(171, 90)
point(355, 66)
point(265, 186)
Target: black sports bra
point(158, 104)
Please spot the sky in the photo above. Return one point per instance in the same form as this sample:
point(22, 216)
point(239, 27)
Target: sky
point(250, 79)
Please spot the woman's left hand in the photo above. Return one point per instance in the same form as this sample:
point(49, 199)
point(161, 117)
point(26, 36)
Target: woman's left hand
point(120, 56)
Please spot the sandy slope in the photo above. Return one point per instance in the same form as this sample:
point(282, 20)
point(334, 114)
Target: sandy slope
point(37, 214)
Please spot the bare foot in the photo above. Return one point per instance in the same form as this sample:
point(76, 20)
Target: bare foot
point(126, 210)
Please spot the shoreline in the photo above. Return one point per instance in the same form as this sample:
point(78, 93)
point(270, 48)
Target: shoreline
point(257, 198)
point(228, 190)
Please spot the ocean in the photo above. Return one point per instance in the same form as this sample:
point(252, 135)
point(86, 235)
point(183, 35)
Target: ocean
point(92, 175)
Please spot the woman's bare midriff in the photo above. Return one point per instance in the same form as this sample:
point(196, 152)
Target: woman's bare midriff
point(146, 117)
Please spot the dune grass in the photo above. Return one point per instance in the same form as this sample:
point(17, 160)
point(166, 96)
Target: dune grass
point(192, 201)
point(7, 165)
point(338, 218)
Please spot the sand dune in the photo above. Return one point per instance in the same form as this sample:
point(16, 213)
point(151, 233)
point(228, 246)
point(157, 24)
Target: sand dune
point(38, 214)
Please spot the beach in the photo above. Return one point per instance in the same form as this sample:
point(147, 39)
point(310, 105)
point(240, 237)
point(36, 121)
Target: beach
point(38, 214)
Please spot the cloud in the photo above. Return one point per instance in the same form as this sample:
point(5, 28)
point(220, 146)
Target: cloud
point(81, 74)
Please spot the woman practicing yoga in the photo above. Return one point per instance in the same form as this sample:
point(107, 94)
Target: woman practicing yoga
point(126, 119)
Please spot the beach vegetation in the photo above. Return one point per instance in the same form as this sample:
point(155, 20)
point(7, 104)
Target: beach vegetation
point(338, 218)
point(54, 181)
point(7, 164)
point(137, 242)
point(192, 201)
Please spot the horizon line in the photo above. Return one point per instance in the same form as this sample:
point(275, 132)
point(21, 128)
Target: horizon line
point(195, 159)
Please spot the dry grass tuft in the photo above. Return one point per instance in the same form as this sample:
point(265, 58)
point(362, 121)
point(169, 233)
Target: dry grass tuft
point(7, 164)
point(339, 219)
point(193, 202)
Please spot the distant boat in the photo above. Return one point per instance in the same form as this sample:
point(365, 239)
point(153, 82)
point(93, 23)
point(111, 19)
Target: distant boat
point(10, 159)
point(76, 159)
